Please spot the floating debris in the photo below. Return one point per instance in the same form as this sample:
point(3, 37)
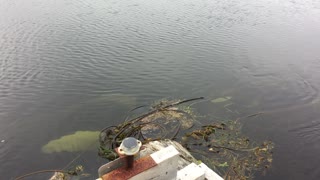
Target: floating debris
point(223, 148)
point(221, 99)
point(220, 145)
point(163, 121)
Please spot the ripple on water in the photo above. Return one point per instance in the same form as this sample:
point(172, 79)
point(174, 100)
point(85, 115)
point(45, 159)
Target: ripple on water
point(309, 132)
point(54, 49)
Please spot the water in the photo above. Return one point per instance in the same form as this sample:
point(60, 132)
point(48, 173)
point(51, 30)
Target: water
point(80, 65)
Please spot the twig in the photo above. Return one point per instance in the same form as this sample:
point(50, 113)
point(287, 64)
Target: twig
point(73, 160)
point(133, 110)
point(204, 100)
point(39, 172)
point(177, 131)
point(249, 116)
point(181, 102)
point(231, 149)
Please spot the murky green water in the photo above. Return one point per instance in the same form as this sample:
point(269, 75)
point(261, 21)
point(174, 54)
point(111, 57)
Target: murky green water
point(80, 65)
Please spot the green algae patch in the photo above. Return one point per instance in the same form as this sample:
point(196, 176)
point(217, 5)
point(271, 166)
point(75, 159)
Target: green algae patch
point(77, 142)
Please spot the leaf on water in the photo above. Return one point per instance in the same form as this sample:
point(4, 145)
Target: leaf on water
point(198, 162)
point(225, 164)
point(221, 99)
point(79, 141)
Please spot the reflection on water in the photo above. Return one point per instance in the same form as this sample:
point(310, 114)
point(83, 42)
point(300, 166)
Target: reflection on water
point(73, 65)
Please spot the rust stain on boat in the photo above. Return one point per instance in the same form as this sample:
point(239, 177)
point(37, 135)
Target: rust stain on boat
point(139, 166)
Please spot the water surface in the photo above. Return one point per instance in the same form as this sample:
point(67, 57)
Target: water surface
point(80, 65)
